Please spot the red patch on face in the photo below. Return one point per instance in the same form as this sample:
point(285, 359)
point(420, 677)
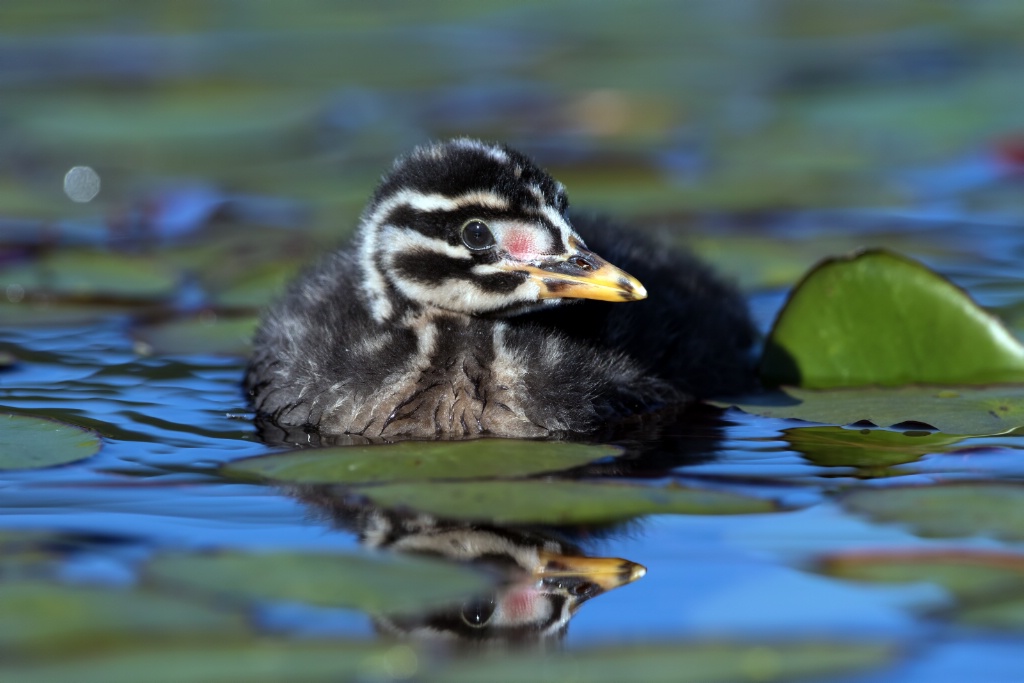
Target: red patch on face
point(518, 604)
point(520, 243)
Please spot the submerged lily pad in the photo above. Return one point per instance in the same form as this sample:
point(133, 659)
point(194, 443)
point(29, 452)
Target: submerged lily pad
point(953, 410)
point(35, 614)
point(841, 447)
point(93, 273)
point(50, 314)
point(1003, 614)
point(372, 583)
point(221, 659)
point(878, 318)
point(258, 287)
point(700, 663)
point(215, 335)
point(946, 510)
point(967, 574)
point(558, 502)
point(274, 660)
point(33, 442)
point(419, 461)
point(979, 580)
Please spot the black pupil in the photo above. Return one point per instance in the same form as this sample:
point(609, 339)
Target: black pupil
point(476, 235)
point(478, 612)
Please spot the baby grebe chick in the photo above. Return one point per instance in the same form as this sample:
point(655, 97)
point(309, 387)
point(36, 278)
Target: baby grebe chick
point(448, 317)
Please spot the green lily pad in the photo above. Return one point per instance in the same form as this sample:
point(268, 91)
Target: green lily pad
point(700, 663)
point(946, 510)
point(558, 502)
point(372, 583)
point(224, 660)
point(34, 313)
point(38, 615)
point(32, 442)
point(878, 318)
point(953, 410)
point(217, 335)
point(866, 448)
point(418, 461)
point(967, 574)
point(275, 660)
point(1002, 614)
point(258, 287)
point(84, 274)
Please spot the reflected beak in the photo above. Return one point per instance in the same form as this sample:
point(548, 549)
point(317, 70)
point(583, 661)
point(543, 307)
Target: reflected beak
point(606, 572)
point(582, 274)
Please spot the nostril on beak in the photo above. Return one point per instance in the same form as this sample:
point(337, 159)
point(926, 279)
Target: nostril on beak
point(582, 263)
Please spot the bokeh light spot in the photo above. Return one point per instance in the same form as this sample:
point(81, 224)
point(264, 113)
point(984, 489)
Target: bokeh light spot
point(81, 184)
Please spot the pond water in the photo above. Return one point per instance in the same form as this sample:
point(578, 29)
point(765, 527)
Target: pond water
point(234, 145)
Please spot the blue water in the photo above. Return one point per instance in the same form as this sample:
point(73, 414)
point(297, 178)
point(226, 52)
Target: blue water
point(169, 421)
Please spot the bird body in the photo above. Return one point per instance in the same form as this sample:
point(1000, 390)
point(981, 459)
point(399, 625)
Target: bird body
point(445, 319)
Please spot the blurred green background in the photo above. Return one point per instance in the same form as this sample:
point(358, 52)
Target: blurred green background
point(643, 107)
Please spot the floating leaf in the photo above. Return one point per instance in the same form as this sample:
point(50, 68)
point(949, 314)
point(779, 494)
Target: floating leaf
point(700, 663)
point(376, 584)
point(258, 287)
point(957, 410)
point(946, 510)
point(558, 502)
point(34, 614)
point(275, 660)
point(840, 447)
point(878, 318)
point(33, 442)
point(979, 580)
point(92, 273)
point(51, 314)
point(1005, 614)
point(216, 335)
point(419, 461)
point(223, 660)
point(967, 574)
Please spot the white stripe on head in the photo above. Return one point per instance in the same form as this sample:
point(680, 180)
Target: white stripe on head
point(394, 239)
point(454, 294)
point(493, 151)
point(558, 220)
point(537, 194)
point(372, 234)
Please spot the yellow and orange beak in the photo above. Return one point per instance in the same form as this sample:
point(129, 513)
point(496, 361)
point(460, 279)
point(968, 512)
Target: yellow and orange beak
point(582, 274)
point(606, 572)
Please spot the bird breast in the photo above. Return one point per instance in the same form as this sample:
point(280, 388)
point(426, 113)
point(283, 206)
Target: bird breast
point(462, 380)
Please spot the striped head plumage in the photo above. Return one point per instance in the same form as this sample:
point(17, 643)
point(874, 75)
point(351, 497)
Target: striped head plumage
point(478, 229)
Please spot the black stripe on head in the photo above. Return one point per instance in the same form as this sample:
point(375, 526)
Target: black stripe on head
point(444, 225)
point(431, 268)
point(459, 167)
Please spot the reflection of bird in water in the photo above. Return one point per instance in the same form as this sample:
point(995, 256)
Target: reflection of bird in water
point(545, 578)
point(442, 321)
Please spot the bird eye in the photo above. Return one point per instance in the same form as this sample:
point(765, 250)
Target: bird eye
point(476, 235)
point(477, 612)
